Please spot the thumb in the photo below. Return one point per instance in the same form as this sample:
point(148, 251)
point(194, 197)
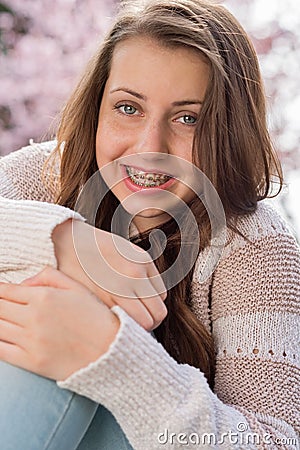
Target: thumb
point(53, 278)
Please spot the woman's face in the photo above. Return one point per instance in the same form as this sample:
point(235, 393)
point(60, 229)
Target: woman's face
point(146, 126)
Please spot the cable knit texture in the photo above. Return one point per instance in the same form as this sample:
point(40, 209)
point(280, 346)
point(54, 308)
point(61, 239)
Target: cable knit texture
point(254, 319)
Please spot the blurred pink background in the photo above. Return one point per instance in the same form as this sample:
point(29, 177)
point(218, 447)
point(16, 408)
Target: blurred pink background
point(45, 45)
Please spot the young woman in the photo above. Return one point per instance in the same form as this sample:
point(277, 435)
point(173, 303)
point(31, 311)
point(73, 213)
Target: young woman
point(172, 80)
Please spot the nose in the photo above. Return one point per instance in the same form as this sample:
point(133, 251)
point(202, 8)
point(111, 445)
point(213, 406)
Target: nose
point(152, 141)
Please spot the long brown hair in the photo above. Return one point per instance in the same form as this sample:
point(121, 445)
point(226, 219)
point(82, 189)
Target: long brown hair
point(231, 144)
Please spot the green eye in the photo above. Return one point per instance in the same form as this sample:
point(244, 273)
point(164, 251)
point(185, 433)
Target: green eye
point(127, 109)
point(188, 119)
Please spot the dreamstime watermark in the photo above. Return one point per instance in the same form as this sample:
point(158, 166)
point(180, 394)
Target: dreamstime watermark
point(190, 182)
point(241, 437)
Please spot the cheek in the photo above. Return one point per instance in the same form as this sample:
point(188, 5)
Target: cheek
point(109, 146)
point(182, 146)
point(187, 155)
point(188, 151)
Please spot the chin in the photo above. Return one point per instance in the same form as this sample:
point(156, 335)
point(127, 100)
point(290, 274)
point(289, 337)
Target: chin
point(151, 213)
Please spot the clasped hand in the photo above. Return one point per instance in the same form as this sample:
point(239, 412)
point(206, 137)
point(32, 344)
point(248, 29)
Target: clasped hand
point(53, 331)
point(60, 320)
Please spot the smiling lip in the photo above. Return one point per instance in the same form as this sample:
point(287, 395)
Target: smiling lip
point(136, 188)
point(154, 171)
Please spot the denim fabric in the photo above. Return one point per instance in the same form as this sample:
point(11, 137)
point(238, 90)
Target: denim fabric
point(104, 433)
point(35, 414)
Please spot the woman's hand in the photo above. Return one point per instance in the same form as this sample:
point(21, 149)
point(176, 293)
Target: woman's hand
point(55, 330)
point(116, 270)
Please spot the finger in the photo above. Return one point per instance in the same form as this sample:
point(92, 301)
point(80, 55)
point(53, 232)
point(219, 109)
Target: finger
point(156, 281)
point(14, 293)
point(13, 312)
point(30, 281)
point(137, 310)
point(13, 354)
point(53, 278)
point(47, 277)
point(154, 306)
point(10, 332)
point(20, 294)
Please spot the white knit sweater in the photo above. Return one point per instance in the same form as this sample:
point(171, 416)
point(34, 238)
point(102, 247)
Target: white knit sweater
point(254, 319)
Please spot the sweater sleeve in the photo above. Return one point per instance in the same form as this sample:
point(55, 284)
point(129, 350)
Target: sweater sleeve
point(26, 227)
point(161, 404)
point(27, 214)
point(23, 175)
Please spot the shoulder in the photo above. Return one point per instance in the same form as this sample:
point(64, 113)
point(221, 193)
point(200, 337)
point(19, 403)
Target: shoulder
point(264, 229)
point(263, 224)
point(259, 234)
point(266, 244)
point(21, 173)
point(32, 157)
point(259, 270)
point(264, 238)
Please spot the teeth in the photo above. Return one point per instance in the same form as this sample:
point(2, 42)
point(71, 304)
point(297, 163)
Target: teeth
point(146, 179)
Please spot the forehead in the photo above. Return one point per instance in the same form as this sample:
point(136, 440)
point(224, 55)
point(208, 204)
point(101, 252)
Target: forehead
point(145, 63)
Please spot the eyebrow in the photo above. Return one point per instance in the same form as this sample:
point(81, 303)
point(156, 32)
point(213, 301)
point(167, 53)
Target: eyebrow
point(144, 98)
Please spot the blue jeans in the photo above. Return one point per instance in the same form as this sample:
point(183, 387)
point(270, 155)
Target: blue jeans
point(35, 414)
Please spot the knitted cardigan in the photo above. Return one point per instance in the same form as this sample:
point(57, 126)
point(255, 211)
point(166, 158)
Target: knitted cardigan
point(254, 320)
